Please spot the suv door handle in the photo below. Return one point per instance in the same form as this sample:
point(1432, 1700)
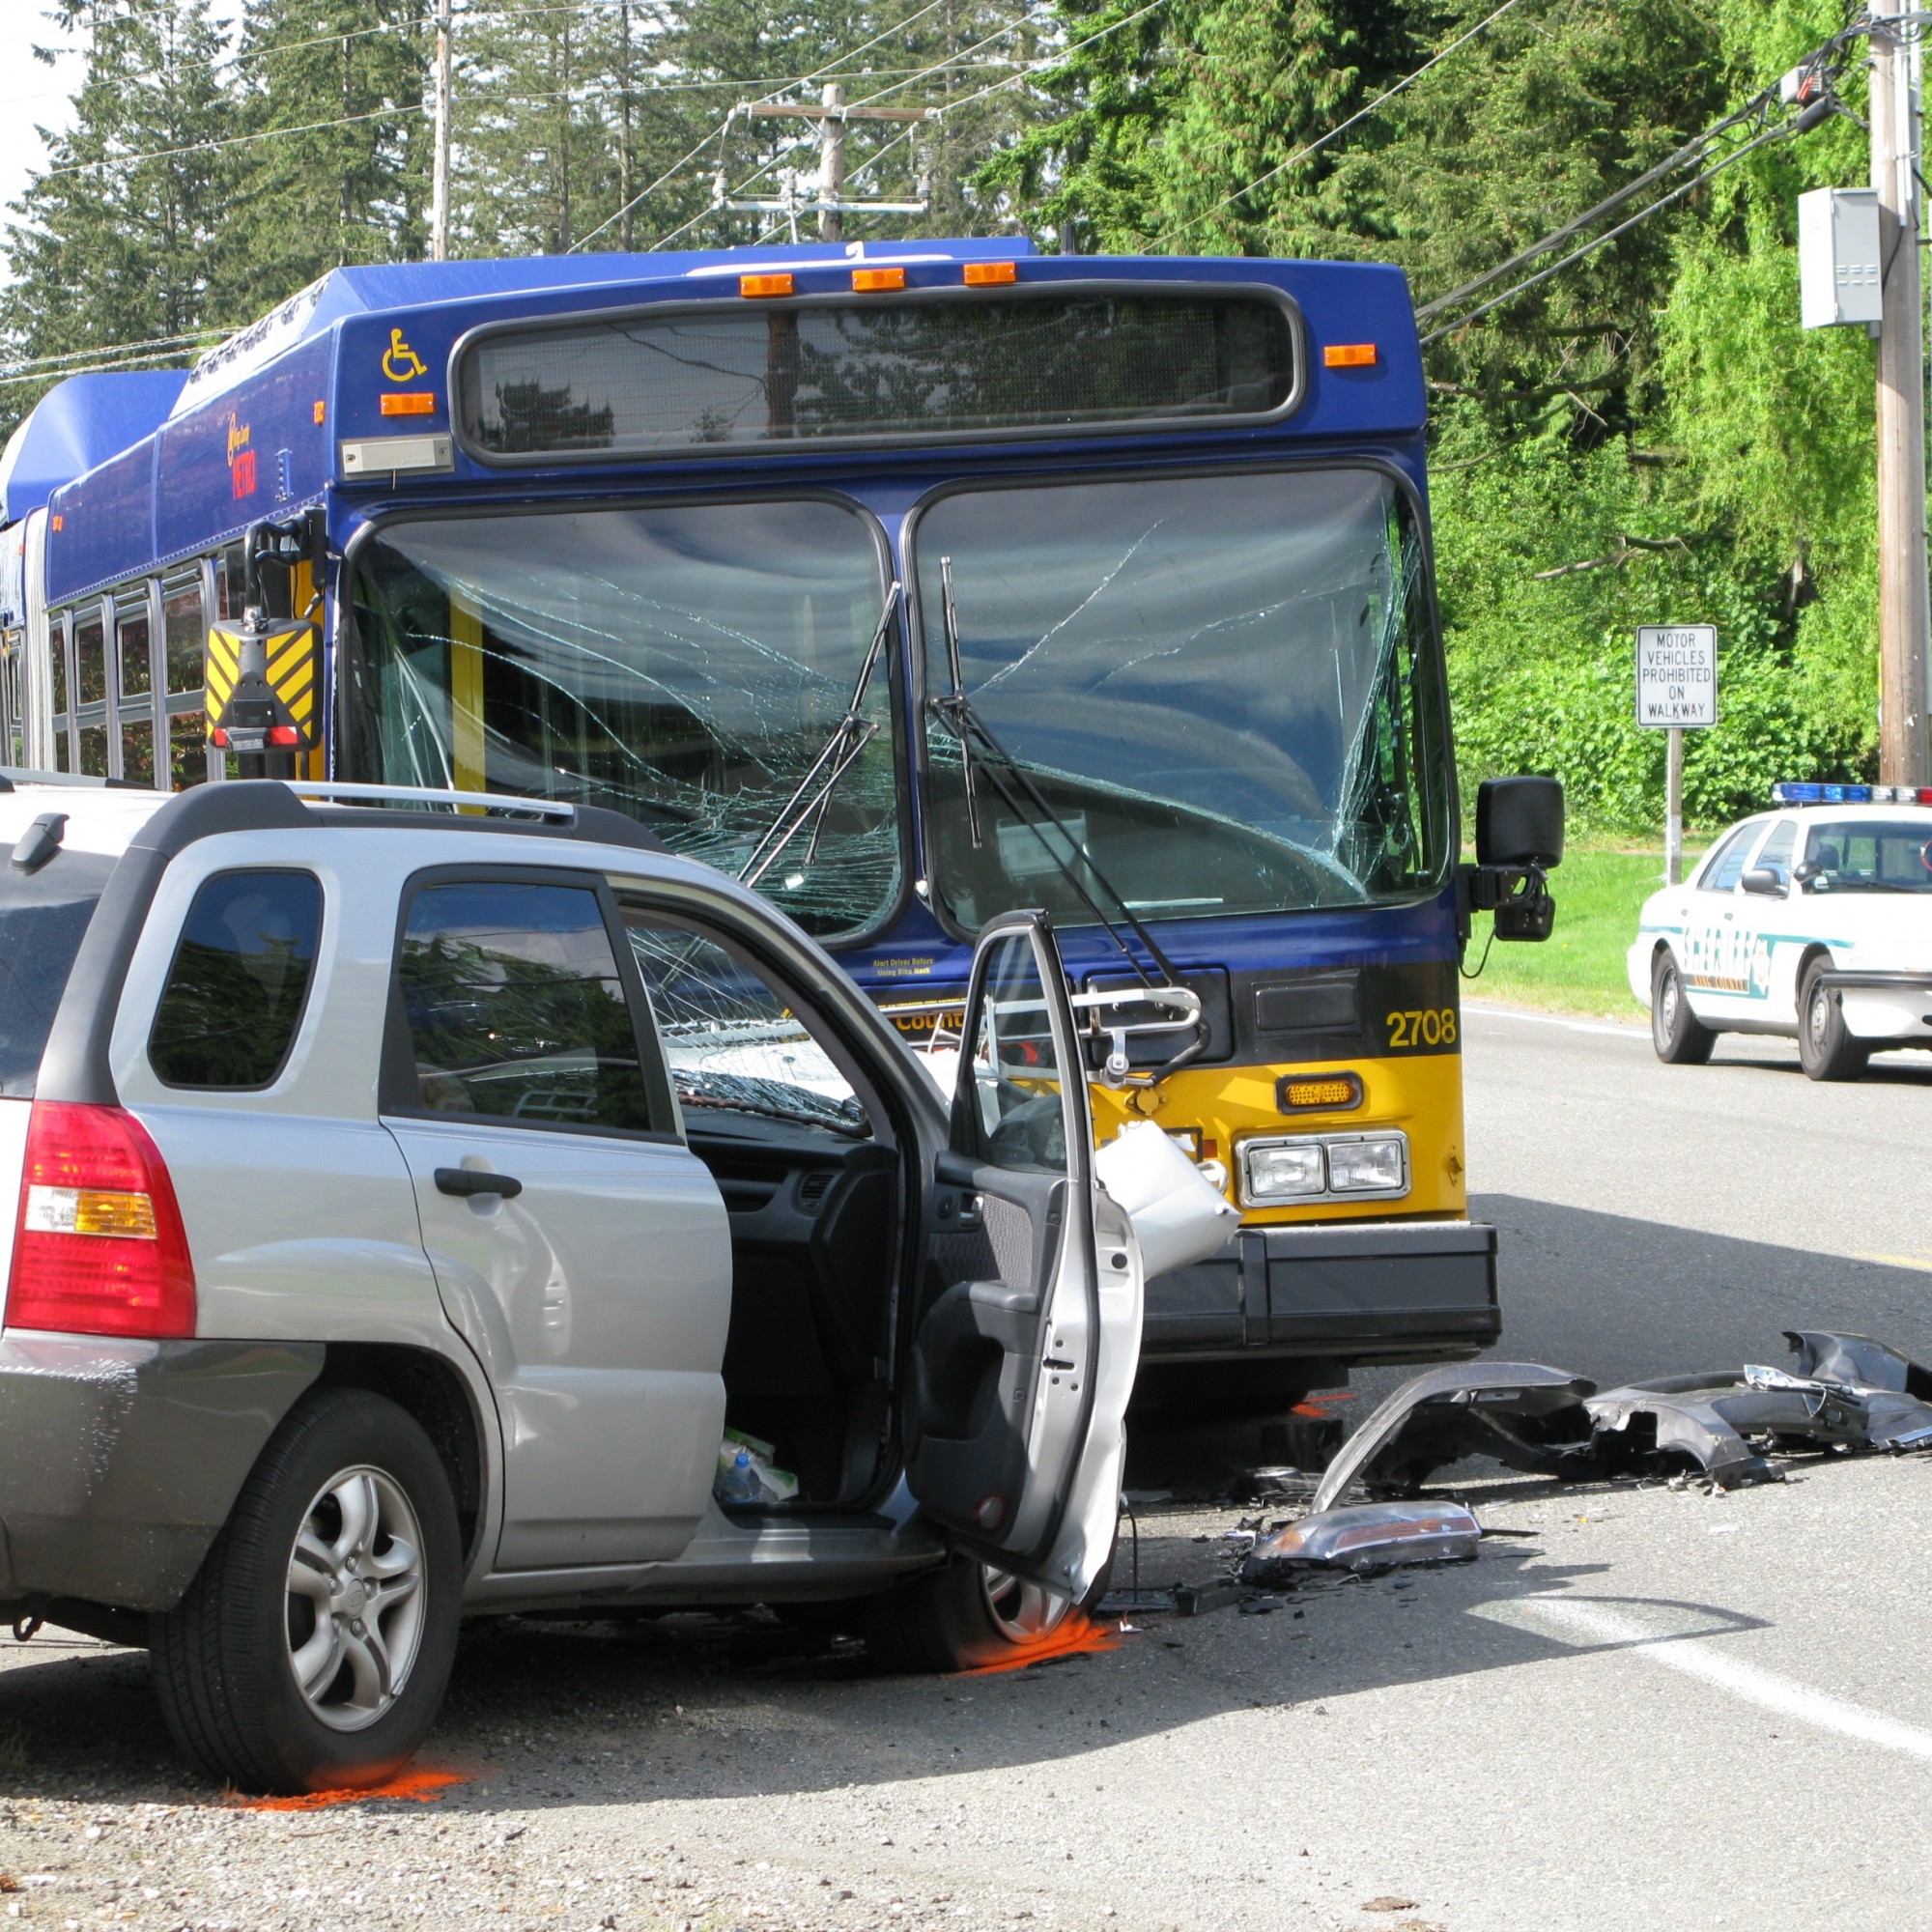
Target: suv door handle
point(466, 1181)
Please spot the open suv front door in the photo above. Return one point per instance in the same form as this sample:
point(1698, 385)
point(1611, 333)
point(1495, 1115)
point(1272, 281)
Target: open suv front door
point(1024, 1355)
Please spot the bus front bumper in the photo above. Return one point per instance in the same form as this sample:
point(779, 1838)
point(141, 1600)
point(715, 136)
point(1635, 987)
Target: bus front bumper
point(1349, 1293)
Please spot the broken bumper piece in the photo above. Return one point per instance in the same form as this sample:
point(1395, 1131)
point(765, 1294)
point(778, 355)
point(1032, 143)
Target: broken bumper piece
point(1523, 1414)
point(1850, 1393)
point(1366, 1536)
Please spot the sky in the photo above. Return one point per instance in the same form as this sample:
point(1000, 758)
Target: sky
point(30, 95)
point(33, 95)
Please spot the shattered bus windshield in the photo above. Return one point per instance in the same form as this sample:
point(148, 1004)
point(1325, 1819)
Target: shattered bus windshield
point(683, 664)
point(1225, 688)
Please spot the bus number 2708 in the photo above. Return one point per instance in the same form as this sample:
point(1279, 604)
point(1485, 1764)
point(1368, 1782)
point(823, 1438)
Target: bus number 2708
point(1427, 1026)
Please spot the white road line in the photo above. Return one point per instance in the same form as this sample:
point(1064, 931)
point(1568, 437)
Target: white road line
point(1615, 1030)
point(1648, 1638)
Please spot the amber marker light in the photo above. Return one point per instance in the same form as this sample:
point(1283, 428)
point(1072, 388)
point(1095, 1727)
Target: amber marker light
point(322, 412)
point(410, 403)
point(1349, 355)
point(876, 281)
point(990, 275)
point(764, 285)
point(1317, 1093)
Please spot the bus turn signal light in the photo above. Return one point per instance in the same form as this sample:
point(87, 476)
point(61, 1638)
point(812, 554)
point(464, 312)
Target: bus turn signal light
point(1317, 1093)
point(409, 403)
point(1349, 355)
point(764, 285)
point(990, 275)
point(875, 281)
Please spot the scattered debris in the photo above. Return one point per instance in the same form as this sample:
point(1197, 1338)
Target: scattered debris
point(1196, 1600)
point(1390, 1905)
point(1369, 1536)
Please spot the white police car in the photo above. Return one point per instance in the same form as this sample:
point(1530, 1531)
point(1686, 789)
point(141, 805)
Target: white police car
point(1812, 920)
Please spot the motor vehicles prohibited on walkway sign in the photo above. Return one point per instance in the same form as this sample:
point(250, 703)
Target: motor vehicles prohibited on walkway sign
point(1677, 675)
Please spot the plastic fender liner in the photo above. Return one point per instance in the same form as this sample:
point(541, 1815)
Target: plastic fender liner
point(1525, 1414)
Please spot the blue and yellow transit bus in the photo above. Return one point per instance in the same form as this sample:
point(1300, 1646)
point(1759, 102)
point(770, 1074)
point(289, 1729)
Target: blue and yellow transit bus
point(913, 582)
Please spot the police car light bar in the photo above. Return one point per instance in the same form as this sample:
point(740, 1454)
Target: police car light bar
point(1789, 793)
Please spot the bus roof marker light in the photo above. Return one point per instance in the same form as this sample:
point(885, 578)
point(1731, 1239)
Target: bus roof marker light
point(409, 403)
point(876, 281)
point(990, 275)
point(765, 285)
point(1349, 355)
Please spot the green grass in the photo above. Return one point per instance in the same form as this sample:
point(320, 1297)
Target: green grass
point(1580, 969)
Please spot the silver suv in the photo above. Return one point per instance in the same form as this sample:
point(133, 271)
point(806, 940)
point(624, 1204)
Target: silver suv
point(417, 1191)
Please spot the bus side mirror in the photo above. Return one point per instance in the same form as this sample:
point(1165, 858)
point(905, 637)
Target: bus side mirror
point(1518, 839)
point(1519, 823)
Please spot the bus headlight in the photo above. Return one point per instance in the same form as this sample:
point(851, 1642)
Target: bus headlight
point(1283, 1173)
point(1377, 1165)
point(1324, 1166)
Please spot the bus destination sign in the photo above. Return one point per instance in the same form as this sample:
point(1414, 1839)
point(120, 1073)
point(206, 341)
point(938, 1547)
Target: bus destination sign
point(1677, 675)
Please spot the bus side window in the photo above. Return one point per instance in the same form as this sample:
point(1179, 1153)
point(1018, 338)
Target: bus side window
point(185, 624)
point(229, 583)
point(89, 660)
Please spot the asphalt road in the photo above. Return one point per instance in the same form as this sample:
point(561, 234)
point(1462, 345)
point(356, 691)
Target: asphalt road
point(1647, 1707)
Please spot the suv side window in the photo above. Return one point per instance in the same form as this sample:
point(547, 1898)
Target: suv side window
point(239, 980)
point(1729, 867)
point(516, 1008)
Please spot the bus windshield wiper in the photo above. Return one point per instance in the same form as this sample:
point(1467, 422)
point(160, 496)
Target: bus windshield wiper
point(809, 803)
point(1017, 790)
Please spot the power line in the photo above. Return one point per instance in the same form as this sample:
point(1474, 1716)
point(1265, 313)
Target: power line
point(1753, 109)
point(159, 344)
point(1335, 132)
point(229, 141)
point(1676, 194)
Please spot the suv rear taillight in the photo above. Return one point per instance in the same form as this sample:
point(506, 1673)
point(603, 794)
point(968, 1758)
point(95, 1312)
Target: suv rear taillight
point(99, 1248)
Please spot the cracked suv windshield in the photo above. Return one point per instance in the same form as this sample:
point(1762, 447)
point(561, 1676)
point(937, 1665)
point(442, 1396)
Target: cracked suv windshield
point(686, 664)
point(1224, 690)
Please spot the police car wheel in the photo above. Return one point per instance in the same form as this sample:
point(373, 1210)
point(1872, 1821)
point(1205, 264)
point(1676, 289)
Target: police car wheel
point(1827, 1048)
point(312, 1649)
point(1680, 1037)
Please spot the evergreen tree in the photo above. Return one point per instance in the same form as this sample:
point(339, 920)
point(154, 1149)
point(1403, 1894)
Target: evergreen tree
point(312, 197)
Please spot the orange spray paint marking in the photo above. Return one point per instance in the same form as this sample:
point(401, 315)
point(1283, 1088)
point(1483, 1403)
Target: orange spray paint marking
point(1078, 1636)
point(1320, 1405)
point(425, 1787)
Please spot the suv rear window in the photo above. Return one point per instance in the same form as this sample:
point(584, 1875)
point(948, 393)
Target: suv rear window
point(43, 916)
point(239, 980)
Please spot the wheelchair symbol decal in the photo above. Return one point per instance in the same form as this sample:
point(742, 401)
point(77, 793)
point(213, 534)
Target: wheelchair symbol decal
point(400, 362)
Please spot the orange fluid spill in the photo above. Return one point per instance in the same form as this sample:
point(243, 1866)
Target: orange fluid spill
point(425, 1787)
point(1078, 1636)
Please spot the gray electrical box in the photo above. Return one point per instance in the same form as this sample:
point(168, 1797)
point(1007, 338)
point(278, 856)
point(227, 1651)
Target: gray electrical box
point(1837, 256)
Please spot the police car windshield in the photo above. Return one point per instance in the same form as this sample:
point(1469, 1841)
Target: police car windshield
point(1869, 855)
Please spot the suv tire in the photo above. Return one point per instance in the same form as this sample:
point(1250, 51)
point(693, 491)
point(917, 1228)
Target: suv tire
point(1681, 1038)
point(967, 1615)
point(339, 1564)
point(1827, 1048)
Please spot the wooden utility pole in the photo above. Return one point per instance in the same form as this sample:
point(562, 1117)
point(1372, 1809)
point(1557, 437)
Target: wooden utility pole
point(438, 194)
point(831, 201)
point(1904, 756)
point(832, 163)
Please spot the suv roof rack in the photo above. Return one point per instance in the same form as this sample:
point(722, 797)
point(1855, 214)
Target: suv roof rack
point(329, 791)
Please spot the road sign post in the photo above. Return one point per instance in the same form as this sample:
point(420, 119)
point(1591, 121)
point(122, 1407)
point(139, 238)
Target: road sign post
point(1676, 691)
